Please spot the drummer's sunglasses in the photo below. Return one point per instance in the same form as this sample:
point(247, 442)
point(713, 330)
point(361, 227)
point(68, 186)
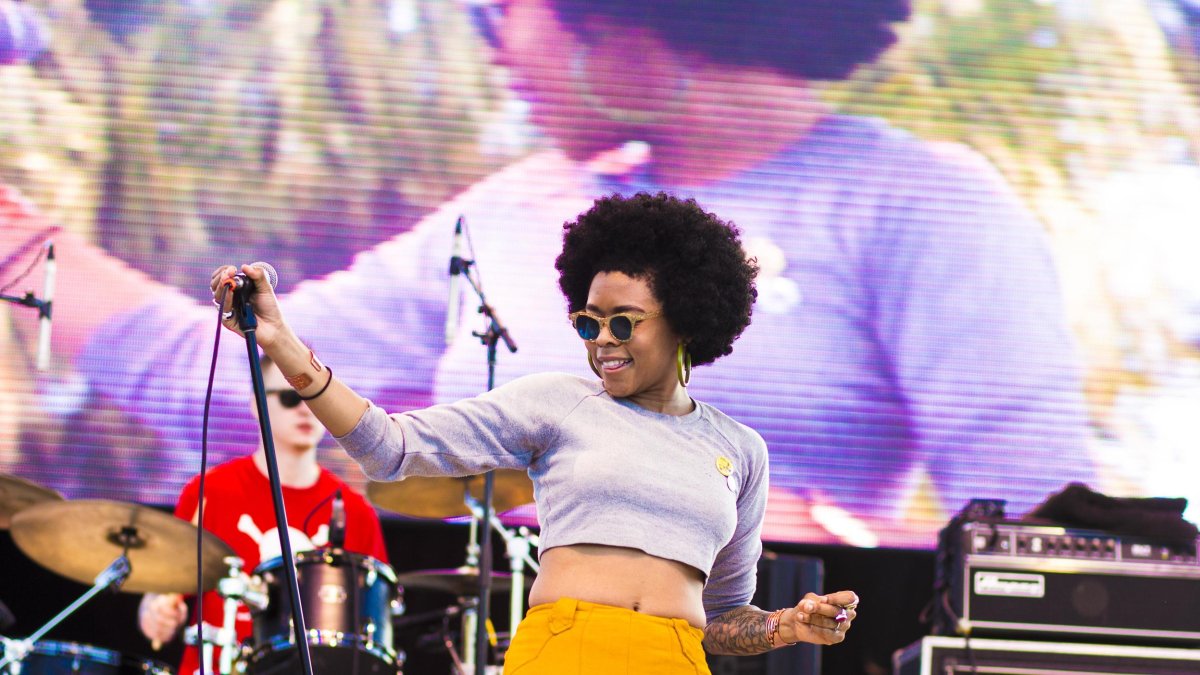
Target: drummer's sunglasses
point(620, 326)
point(288, 398)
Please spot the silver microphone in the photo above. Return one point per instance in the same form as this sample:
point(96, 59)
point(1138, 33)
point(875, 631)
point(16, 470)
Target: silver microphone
point(43, 346)
point(457, 269)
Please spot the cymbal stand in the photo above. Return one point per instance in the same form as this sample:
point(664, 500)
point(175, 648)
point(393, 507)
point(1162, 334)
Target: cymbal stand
point(517, 549)
point(468, 609)
point(470, 613)
point(112, 577)
point(518, 558)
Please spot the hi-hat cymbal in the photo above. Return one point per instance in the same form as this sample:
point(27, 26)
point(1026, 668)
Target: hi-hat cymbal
point(461, 581)
point(17, 494)
point(79, 539)
point(422, 497)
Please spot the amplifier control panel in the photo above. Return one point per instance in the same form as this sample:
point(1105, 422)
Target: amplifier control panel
point(1037, 541)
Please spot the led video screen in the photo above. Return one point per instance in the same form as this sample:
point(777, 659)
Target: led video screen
point(975, 224)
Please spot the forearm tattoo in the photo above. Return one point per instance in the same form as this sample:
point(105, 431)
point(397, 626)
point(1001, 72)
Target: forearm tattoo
point(740, 631)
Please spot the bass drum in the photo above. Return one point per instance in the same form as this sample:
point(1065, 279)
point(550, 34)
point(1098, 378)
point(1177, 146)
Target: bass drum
point(63, 658)
point(348, 602)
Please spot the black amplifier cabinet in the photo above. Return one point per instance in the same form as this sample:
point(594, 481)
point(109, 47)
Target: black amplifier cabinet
point(951, 656)
point(1014, 580)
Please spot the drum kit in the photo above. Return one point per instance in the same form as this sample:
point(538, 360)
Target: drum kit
point(352, 603)
point(110, 545)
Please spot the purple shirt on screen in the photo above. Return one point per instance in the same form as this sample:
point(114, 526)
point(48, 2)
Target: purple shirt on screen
point(909, 330)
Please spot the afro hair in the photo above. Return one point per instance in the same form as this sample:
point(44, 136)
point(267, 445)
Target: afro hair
point(693, 261)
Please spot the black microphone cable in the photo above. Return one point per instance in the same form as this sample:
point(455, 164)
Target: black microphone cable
point(212, 375)
point(313, 511)
point(28, 270)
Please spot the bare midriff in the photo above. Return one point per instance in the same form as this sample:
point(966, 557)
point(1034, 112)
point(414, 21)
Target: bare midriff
point(620, 577)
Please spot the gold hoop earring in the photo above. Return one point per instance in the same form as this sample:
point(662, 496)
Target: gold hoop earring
point(683, 364)
point(595, 369)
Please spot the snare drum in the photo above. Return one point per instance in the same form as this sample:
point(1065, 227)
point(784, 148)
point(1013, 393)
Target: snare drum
point(348, 602)
point(60, 658)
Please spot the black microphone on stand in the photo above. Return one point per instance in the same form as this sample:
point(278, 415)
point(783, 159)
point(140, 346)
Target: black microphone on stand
point(337, 522)
point(240, 281)
point(458, 267)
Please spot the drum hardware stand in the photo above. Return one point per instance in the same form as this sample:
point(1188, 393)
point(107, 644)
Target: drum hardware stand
point(112, 577)
point(205, 643)
point(248, 323)
point(518, 558)
point(468, 607)
point(235, 588)
point(495, 332)
point(473, 632)
point(470, 611)
point(517, 550)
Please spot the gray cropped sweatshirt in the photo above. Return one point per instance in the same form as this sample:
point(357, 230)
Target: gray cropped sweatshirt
point(689, 488)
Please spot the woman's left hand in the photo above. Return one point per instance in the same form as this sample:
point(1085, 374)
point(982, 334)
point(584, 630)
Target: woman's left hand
point(820, 619)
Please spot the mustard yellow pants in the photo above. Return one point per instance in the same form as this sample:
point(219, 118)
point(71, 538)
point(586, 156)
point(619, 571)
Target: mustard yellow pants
point(573, 637)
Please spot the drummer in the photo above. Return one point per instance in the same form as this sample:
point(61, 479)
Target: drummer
point(238, 509)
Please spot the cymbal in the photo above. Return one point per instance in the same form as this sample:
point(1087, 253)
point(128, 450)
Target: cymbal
point(17, 494)
point(423, 497)
point(461, 581)
point(79, 539)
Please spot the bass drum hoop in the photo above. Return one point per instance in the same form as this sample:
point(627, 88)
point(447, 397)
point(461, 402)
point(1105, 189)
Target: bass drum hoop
point(81, 653)
point(361, 560)
point(327, 638)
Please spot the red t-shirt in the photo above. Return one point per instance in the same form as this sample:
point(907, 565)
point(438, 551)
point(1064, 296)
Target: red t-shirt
point(238, 509)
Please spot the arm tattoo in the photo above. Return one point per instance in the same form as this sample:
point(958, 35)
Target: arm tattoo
point(741, 631)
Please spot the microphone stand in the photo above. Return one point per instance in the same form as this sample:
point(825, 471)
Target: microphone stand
point(490, 337)
point(244, 312)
